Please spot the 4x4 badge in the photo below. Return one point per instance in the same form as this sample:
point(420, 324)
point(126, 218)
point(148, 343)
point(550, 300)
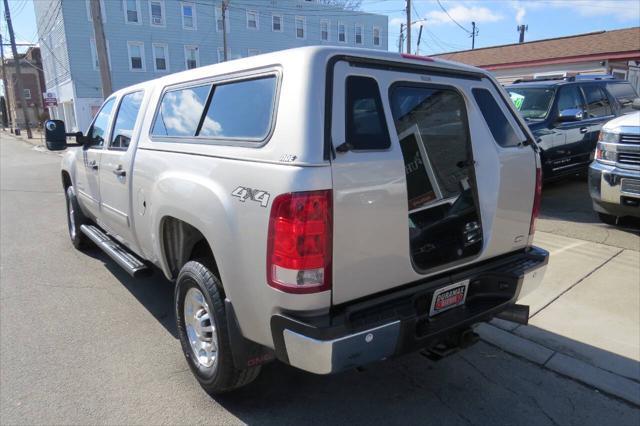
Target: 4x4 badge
point(257, 195)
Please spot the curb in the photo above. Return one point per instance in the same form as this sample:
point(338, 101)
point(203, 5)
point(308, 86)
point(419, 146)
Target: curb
point(561, 363)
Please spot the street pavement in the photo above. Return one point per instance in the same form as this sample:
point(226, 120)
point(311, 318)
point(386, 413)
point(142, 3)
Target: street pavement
point(81, 342)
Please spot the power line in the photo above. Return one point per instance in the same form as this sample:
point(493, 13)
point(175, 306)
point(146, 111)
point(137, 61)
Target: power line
point(450, 17)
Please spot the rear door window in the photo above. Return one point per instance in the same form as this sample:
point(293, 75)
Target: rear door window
point(624, 93)
point(597, 101)
point(499, 125)
point(180, 111)
point(366, 127)
point(126, 120)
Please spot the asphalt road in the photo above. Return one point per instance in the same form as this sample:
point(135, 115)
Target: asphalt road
point(83, 343)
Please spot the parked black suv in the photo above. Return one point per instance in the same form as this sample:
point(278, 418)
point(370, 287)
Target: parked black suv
point(566, 114)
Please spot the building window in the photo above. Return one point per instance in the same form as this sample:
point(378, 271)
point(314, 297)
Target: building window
point(253, 52)
point(103, 11)
point(220, 54)
point(300, 27)
point(131, 11)
point(219, 25)
point(188, 16)
point(27, 93)
point(324, 30)
point(358, 33)
point(252, 19)
point(342, 33)
point(94, 54)
point(376, 36)
point(156, 12)
point(160, 57)
point(191, 57)
point(136, 55)
point(276, 23)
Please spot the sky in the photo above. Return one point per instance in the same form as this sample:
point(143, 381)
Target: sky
point(447, 24)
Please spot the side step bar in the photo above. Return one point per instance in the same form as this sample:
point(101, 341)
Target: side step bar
point(123, 257)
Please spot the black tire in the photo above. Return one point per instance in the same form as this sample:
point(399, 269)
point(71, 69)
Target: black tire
point(75, 219)
point(222, 376)
point(608, 218)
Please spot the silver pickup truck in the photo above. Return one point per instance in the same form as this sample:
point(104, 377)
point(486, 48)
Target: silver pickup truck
point(328, 207)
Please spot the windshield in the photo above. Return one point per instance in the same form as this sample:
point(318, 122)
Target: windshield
point(533, 103)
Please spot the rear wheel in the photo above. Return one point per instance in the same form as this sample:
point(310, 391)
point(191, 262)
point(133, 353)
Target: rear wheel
point(75, 219)
point(202, 328)
point(608, 218)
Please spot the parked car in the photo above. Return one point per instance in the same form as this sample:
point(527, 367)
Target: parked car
point(614, 175)
point(566, 115)
point(328, 207)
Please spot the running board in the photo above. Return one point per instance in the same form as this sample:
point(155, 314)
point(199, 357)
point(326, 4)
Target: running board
point(123, 257)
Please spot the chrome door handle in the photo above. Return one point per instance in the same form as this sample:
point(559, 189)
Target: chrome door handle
point(583, 130)
point(119, 171)
point(93, 165)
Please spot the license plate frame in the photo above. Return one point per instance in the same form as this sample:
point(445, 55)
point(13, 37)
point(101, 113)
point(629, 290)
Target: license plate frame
point(439, 294)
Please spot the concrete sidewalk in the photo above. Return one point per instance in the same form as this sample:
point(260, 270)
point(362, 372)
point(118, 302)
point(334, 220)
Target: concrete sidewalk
point(585, 317)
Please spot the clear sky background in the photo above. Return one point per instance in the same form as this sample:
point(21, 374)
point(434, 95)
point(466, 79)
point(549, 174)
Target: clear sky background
point(496, 20)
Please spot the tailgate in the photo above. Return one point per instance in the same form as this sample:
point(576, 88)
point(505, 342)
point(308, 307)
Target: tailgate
point(422, 183)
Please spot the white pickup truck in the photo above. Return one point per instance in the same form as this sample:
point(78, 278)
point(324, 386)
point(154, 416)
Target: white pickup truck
point(328, 207)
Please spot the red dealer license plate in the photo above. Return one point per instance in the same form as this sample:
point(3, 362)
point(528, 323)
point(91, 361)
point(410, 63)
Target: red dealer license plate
point(449, 297)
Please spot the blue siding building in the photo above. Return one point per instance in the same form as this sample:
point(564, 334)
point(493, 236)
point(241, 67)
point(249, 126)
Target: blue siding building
point(149, 38)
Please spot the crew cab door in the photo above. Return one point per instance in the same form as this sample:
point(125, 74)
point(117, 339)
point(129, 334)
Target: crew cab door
point(116, 168)
point(87, 181)
point(407, 202)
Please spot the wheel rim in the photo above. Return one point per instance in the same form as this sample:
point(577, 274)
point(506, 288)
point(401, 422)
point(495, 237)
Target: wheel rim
point(201, 329)
point(72, 220)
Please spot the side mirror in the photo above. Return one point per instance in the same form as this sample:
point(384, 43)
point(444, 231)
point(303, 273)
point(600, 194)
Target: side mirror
point(572, 114)
point(55, 135)
point(636, 104)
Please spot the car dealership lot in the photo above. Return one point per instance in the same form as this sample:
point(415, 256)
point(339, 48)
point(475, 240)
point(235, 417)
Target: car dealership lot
point(82, 342)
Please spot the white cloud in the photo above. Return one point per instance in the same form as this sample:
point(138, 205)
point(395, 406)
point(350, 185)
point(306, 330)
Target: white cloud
point(622, 10)
point(463, 15)
point(395, 22)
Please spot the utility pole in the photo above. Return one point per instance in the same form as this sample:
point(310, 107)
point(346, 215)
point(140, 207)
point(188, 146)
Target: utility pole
point(401, 38)
point(408, 26)
point(18, 74)
point(101, 48)
point(419, 38)
point(474, 33)
point(522, 29)
point(7, 103)
point(225, 5)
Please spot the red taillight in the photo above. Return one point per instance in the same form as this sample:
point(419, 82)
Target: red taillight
point(299, 242)
point(537, 198)
point(417, 57)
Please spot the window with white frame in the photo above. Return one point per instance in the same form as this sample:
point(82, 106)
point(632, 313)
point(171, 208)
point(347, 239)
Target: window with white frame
point(191, 57)
point(358, 33)
point(253, 52)
point(342, 32)
point(27, 93)
point(376, 36)
point(103, 12)
point(220, 54)
point(131, 11)
point(94, 54)
point(252, 19)
point(219, 25)
point(136, 55)
point(276, 23)
point(156, 13)
point(160, 57)
point(300, 27)
point(188, 15)
point(324, 30)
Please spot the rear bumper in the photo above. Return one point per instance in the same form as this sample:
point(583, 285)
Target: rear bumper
point(614, 190)
point(396, 323)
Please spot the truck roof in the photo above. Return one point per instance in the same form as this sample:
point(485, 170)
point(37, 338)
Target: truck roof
point(300, 57)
